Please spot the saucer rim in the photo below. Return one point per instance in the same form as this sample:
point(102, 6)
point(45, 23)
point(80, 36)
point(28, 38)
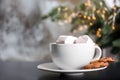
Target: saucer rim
point(42, 67)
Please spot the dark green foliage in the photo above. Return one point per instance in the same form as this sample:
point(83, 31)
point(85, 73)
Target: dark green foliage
point(109, 37)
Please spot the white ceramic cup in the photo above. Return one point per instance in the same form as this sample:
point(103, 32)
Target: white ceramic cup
point(74, 56)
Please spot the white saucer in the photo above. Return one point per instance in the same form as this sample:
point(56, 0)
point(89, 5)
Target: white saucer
point(52, 68)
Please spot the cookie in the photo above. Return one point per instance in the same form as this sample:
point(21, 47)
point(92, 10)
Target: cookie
point(99, 63)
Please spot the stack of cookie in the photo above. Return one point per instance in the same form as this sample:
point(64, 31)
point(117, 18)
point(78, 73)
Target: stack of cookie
point(99, 63)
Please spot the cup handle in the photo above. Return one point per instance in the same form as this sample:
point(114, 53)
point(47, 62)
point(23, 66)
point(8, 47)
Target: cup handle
point(98, 53)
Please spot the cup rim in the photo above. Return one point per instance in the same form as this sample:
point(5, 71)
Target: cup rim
point(54, 43)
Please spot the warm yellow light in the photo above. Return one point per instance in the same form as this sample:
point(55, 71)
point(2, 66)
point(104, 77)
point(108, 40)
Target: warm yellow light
point(115, 14)
point(73, 14)
point(98, 33)
point(101, 3)
point(88, 3)
point(65, 15)
point(98, 11)
point(85, 17)
point(80, 28)
point(89, 17)
point(74, 31)
point(94, 8)
point(114, 8)
point(113, 27)
point(93, 17)
point(69, 19)
point(99, 29)
point(59, 9)
point(103, 11)
point(103, 16)
point(65, 8)
point(90, 23)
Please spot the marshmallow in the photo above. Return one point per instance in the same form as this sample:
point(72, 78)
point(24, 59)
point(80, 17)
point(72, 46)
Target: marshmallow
point(84, 39)
point(66, 39)
point(89, 40)
point(70, 40)
point(61, 39)
point(81, 39)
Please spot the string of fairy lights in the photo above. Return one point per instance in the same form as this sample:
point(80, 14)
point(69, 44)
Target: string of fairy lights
point(91, 18)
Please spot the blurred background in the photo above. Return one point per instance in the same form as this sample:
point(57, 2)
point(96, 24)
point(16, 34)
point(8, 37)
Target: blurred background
point(24, 36)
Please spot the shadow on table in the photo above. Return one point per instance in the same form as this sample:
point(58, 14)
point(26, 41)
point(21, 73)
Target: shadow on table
point(110, 73)
point(57, 76)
